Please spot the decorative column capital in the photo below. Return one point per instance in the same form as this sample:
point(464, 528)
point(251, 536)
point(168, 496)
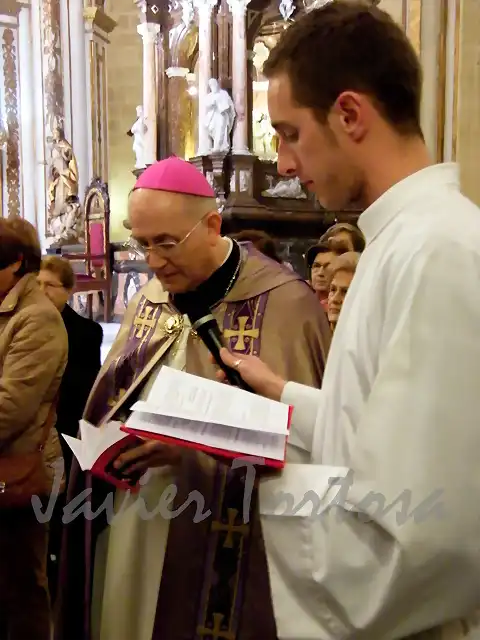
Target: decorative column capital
point(149, 32)
point(177, 72)
point(204, 7)
point(96, 17)
point(238, 8)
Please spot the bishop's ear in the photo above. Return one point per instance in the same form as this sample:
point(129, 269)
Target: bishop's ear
point(214, 223)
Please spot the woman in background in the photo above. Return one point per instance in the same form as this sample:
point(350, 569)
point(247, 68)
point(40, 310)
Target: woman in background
point(342, 270)
point(57, 280)
point(33, 355)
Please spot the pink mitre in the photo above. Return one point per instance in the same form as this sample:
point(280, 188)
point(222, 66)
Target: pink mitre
point(176, 175)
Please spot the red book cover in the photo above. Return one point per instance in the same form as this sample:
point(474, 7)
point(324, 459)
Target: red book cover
point(222, 453)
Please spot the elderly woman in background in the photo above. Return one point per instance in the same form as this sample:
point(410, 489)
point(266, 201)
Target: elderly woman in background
point(342, 270)
point(318, 259)
point(33, 355)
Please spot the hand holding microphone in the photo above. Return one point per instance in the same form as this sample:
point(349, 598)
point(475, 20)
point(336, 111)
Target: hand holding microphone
point(245, 372)
point(255, 373)
point(207, 328)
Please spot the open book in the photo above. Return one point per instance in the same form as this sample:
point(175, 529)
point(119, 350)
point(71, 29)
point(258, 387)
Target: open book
point(98, 449)
point(190, 411)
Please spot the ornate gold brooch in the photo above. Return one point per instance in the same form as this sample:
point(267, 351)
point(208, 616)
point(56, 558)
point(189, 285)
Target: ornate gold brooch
point(174, 325)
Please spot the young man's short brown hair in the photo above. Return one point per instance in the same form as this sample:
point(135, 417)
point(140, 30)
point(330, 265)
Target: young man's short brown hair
point(62, 268)
point(19, 242)
point(351, 46)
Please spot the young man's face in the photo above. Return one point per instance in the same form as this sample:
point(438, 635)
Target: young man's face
point(311, 150)
point(320, 272)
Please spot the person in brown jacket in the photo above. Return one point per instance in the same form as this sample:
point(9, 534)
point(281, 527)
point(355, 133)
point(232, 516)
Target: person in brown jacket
point(33, 356)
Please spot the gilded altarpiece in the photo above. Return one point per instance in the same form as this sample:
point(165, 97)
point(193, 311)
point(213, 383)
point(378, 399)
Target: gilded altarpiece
point(11, 154)
point(10, 150)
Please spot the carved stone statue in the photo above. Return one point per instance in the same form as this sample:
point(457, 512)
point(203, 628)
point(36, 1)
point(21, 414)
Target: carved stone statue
point(219, 117)
point(286, 189)
point(138, 131)
point(63, 183)
point(263, 134)
point(66, 226)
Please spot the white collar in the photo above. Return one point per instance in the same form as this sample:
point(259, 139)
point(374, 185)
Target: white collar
point(230, 247)
point(379, 214)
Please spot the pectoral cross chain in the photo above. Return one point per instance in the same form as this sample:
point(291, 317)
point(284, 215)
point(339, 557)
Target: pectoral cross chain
point(241, 333)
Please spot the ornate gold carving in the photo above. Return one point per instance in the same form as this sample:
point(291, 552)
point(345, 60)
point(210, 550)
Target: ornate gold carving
point(11, 109)
point(53, 84)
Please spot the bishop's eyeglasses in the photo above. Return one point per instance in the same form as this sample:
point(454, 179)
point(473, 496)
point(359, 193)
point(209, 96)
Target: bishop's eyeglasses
point(160, 249)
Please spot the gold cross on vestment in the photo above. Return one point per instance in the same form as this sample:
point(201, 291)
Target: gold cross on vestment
point(231, 528)
point(115, 400)
point(241, 333)
point(216, 633)
point(143, 323)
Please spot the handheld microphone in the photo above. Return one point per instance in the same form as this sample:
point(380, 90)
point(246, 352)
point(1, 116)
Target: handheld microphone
point(208, 330)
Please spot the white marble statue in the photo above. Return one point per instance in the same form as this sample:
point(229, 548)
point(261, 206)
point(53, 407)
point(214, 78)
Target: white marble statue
point(286, 189)
point(219, 117)
point(66, 226)
point(263, 135)
point(138, 131)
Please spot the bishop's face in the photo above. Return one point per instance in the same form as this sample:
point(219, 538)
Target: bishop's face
point(178, 246)
point(311, 150)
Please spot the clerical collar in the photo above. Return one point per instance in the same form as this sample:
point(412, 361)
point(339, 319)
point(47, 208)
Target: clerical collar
point(214, 290)
point(379, 214)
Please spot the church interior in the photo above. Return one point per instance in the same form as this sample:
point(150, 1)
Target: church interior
point(95, 91)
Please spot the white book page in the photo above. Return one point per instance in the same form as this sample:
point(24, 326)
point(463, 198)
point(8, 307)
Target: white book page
point(254, 443)
point(177, 394)
point(94, 441)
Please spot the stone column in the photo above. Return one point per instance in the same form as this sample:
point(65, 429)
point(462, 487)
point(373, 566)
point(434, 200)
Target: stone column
point(79, 93)
point(177, 97)
point(149, 33)
point(204, 9)
point(239, 74)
